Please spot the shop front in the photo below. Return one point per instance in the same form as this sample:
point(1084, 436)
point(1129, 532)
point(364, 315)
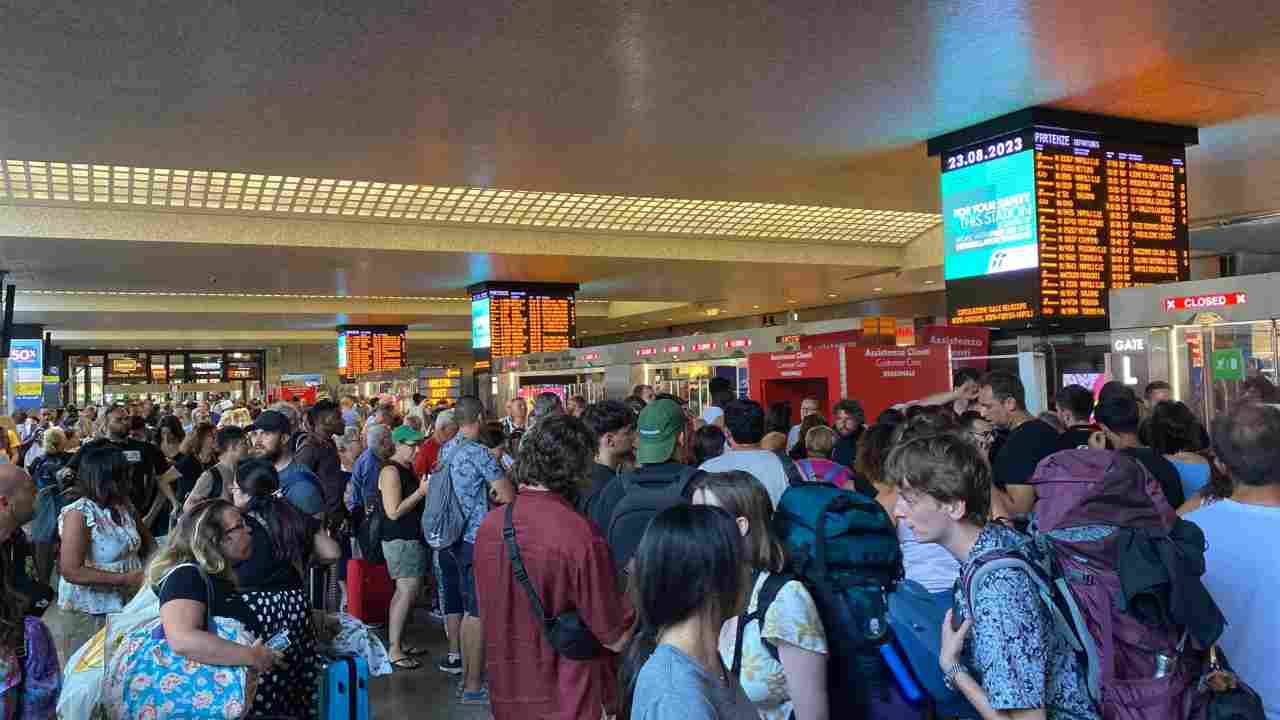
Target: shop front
point(1206, 338)
point(102, 376)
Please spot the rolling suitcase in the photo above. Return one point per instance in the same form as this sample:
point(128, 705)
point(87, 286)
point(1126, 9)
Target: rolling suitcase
point(369, 591)
point(344, 689)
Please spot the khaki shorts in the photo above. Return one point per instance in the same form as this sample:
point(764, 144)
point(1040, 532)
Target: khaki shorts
point(405, 558)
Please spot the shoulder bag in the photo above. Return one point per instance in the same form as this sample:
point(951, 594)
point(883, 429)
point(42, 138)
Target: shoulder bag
point(566, 632)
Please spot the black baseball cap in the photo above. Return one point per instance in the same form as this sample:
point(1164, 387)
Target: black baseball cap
point(273, 422)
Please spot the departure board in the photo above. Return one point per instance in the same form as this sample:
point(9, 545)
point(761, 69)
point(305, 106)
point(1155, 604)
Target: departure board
point(364, 349)
point(1108, 213)
point(512, 319)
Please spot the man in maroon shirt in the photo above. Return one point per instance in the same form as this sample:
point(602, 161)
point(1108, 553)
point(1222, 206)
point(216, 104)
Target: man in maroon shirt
point(570, 567)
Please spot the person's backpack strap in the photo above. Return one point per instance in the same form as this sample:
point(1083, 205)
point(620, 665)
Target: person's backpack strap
point(684, 480)
point(795, 478)
point(1068, 620)
point(517, 565)
point(768, 593)
point(833, 473)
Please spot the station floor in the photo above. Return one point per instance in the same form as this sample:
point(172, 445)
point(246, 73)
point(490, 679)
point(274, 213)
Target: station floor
point(425, 694)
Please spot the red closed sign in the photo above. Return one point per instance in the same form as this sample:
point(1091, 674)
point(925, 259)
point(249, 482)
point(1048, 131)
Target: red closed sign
point(1205, 302)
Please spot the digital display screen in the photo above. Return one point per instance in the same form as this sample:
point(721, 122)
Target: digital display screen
point(365, 349)
point(512, 319)
point(989, 214)
point(1106, 214)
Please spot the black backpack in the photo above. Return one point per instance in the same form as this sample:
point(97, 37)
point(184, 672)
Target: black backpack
point(640, 503)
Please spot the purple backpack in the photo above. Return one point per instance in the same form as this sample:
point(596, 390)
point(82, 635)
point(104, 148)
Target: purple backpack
point(1133, 671)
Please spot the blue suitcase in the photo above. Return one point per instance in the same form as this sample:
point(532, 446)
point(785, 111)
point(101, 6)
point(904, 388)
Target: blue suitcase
point(344, 689)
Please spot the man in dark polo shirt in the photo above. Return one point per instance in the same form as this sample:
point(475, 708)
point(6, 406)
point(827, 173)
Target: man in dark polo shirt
point(1003, 402)
point(569, 567)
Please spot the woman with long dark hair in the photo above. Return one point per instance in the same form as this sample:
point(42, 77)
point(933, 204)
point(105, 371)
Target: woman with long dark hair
point(690, 577)
point(282, 542)
point(103, 543)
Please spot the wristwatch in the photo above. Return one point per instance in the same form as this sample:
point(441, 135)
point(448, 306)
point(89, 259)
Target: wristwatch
point(949, 675)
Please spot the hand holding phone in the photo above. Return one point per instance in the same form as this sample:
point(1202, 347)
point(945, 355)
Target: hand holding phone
point(280, 641)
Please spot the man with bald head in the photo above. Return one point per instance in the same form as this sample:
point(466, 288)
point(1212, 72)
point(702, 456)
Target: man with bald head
point(17, 507)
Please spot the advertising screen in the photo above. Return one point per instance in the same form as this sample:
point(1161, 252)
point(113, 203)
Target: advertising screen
point(989, 214)
point(480, 322)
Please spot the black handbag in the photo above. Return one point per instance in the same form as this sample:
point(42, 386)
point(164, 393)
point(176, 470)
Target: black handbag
point(370, 533)
point(566, 632)
point(1222, 695)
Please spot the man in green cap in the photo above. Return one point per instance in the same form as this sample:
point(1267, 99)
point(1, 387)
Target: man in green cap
point(627, 503)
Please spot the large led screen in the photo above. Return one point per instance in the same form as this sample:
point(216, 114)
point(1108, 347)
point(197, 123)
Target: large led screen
point(989, 212)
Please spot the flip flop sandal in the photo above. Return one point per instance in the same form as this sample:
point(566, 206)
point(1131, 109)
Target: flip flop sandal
point(413, 651)
point(406, 663)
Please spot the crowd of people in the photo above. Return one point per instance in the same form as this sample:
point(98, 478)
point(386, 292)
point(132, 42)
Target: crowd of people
point(628, 558)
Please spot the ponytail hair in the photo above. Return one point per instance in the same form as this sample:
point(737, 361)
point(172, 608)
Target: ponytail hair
point(285, 524)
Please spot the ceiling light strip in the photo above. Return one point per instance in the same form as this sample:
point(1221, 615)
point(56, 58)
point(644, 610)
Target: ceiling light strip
point(294, 296)
point(41, 181)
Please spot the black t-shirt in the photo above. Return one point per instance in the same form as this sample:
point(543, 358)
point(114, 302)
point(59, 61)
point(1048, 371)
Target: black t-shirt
point(1163, 470)
point(263, 570)
point(845, 451)
point(186, 583)
point(1031, 442)
point(1077, 436)
point(613, 492)
point(148, 463)
point(601, 476)
point(190, 469)
point(17, 552)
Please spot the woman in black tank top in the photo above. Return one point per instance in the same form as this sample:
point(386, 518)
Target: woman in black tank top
point(402, 504)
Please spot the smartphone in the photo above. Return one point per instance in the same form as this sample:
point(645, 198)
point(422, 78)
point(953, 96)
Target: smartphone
point(280, 642)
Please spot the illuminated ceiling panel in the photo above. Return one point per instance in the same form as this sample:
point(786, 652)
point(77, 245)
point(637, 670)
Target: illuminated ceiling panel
point(29, 181)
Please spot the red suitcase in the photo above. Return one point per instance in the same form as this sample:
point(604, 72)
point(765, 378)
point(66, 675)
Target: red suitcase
point(369, 591)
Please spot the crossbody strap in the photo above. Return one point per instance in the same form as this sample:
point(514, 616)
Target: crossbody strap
point(517, 565)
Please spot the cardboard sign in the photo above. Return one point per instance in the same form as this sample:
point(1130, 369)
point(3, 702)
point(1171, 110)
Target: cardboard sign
point(881, 377)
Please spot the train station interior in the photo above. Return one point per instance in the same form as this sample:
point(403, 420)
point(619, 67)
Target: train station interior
point(229, 199)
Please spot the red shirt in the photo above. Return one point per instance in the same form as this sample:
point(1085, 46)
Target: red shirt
point(570, 566)
point(428, 452)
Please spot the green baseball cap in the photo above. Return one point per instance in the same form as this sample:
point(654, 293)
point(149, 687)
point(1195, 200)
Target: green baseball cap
point(407, 435)
point(660, 423)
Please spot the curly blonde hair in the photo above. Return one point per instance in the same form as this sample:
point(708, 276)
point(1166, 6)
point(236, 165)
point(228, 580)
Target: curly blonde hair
point(198, 539)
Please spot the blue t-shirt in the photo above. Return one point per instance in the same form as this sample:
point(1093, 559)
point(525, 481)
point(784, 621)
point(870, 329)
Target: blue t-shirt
point(364, 476)
point(1194, 477)
point(1244, 580)
point(302, 489)
point(673, 686)
point(471, 468)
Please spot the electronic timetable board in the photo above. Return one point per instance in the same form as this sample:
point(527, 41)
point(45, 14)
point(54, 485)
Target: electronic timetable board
point(1040, 221)
point(368, 348)
point(510, 319)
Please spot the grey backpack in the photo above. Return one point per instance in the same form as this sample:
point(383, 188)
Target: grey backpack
point(443, 522)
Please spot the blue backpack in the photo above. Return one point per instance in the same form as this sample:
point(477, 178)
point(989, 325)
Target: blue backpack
point(843, 547)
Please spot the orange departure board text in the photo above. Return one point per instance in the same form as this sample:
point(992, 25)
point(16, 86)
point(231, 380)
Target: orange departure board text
point(512, 319)
point(1110, 212)
point(368, 349)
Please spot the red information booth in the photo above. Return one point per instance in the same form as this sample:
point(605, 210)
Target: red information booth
point(795, 375)
point(883, 376)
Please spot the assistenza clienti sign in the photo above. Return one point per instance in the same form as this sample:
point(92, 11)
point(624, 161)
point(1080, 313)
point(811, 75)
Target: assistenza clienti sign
point(1202, 302)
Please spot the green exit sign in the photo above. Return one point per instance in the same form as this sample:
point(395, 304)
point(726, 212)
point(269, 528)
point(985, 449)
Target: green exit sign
point(1228, 364)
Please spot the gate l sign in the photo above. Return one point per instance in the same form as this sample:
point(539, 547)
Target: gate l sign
point(1205, 302)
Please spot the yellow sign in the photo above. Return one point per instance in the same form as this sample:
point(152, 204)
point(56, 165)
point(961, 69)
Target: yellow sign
point(438, 393)
point(27, 389)
point(453, 372)
point(441, 383)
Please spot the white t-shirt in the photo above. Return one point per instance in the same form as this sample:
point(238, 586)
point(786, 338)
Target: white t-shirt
point(763, 464)
point(1246, 585)
point(929, 564)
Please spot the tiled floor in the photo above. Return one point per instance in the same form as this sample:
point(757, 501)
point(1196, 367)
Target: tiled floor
point(425, 694)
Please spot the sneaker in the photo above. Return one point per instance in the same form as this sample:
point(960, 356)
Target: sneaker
point(479, 697)
point(451, 664)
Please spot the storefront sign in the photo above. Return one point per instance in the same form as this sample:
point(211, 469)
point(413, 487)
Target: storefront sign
point(737, 344)
point(673, 349)
point(590, 357)
point(830, 340)
point(646, 352)
point(881, 377)
point(704, 347)
point(1204, 302)
point(26, 374)
point(965, 342)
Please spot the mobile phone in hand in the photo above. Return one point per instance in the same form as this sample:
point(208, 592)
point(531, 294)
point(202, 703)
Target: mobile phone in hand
point(280, 641)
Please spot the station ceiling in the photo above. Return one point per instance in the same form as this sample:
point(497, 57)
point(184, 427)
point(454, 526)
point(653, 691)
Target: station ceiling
point(243, 167)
